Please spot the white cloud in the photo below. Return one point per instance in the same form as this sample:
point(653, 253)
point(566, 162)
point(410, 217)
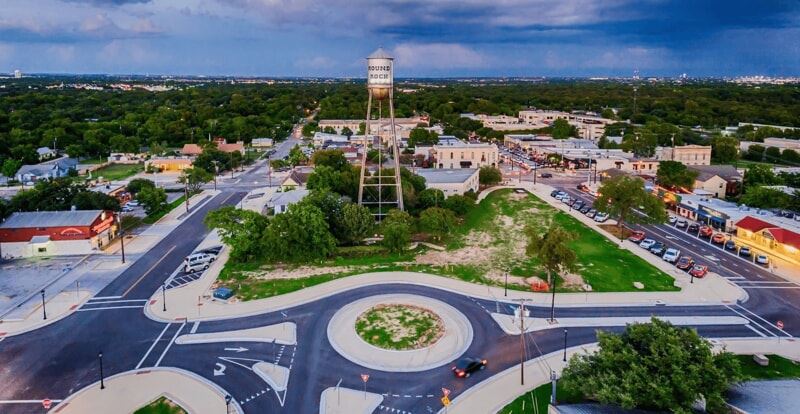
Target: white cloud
point(438, 56)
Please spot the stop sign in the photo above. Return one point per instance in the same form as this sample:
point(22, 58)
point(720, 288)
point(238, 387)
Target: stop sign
point(779, 324)
point(46, 403)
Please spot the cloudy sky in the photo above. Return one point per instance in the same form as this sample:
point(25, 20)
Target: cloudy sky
point(428, 38)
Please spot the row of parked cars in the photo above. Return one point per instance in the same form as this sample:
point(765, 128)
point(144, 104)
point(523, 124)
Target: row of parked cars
point(580, 205)
point(201, 259)
point(669, 254)
point(718, 238)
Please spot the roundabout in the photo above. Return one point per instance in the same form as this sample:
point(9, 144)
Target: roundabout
point(399, 332)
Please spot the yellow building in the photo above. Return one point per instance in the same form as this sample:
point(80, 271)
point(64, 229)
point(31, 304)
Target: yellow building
point(168, 163)
point(770, 238)
point(685, 154)
point(464, 155)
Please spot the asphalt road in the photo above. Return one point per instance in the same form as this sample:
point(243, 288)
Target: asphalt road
point(57, 360)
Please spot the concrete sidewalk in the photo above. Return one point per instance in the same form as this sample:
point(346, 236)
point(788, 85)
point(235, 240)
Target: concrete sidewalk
point(131, 390)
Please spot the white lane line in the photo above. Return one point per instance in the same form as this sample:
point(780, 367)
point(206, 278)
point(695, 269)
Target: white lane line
point(765, 321)
point(756, 331)
point(106, 297)
point(91, 302)
point(26, 401)
point(769, 287)
point(110, 307)
point(754, 322)
point(170, 344)
point(152, 346)
point(194, 327)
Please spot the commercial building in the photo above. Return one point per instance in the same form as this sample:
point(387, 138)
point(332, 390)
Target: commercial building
point(465, 155)
point(775, 236)
point(589, 125)
point(500, 122)
point(780, 143)
point(168, 164)
point(685, 154)
point(46, 233)
point(701, 206)
point(451, 181)
point(261, 142)
point(403, 126)
point(720, 180)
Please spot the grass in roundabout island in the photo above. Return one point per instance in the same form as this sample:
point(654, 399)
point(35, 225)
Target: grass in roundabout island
point(163, 405)
point(399, 327)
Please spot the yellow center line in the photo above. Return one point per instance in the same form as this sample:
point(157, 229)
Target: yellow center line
point(149, 270)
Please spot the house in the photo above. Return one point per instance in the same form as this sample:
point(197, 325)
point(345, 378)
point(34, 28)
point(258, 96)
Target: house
point(125, 158)
point(47, 170)
point(235, 147)
point(261, 142)
point(296, 179)
point(721, 180)
point(191, 150)
point(775, 236)
point(46, 233)
point(45, 153)
point(280, 201)
point(451, 180)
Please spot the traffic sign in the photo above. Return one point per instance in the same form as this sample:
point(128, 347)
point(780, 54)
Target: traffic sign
point(445, 391)
point(365, 377)
point(779, 324)
point(46, 403)
point(446, 401)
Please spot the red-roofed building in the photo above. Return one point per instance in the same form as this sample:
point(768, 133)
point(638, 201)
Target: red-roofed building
point(191, 150)
point(770, 238)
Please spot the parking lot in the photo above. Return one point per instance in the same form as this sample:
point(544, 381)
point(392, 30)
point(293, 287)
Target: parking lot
point(22, 277)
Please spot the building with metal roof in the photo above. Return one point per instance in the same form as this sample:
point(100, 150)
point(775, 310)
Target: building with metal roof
point(47, 233)
point(451, 180)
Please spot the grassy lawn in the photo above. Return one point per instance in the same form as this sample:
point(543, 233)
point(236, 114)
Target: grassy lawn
point(779, 367)
point(399, 327)
point(157, 215)
point(92, 161)
point(536, 401)
point(162, 405)
point(115, 172)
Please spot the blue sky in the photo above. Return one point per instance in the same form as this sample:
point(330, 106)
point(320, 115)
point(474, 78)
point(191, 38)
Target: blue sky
point(428, 38)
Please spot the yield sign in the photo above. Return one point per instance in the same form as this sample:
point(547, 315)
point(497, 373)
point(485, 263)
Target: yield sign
point(779, 324)
point(445, 391)
point(365, 377)
point(46, 403)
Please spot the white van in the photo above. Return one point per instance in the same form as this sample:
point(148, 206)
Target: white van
point(197, 261)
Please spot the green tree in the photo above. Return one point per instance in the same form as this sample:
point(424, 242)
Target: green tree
point(654, 366)
point(298, 235)
point(724, 150)
point(459, 204)
point(396, 236)
point(763, 197)
point(353, 224)
point(489, 175)
point(296, 156)
point(10, 167)
point(194, 178)
point(757, 175)
point(240, 229)
point(421, 136)
point(790, 157)
point(561, 129)
point(75, 150)
point(138, 184)
point(673, 174)
point(398, 216)
point(329, 130)
point(553, 253)
point(347, 132)
point(437, 222)
point(621, 196)
point(333, 158)
point(430, 197)
point(755, 152)
point(772, 154)
point(152, 199)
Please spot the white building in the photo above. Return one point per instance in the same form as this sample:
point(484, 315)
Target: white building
point(451, 181)
point(261, 142)
point(590, 126)
point(17, 73)
point(465, 155)
point(279, 202)
point(685, 154)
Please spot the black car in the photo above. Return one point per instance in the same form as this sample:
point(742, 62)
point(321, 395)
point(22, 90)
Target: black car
point(578, 205)
point(572, 201)
point(585, 209)
point(693, 228)
point(553, 193)
point(658, 248)
point(466, 366)
point(546, 175)
point(730, 245)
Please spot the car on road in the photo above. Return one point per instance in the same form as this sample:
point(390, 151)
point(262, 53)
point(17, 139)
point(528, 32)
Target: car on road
point(681, 224)
point(546, 175)
point(466, 366)
point(762, 259)
point(730, 245)
point(591, 213)
point(637, 236)
point(685, 263)
point(647, 243)
point(658, 248)
point(583, 187)
point(693, 228)
point(718, 238)
point(699, 271)
point(744, 251)
point(706, 231)
point(672, 220)
point(601, 217)
point(671, 255)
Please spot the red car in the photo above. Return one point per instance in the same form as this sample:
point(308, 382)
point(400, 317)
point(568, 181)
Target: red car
point(685, 263)
point(718, 238)
point(637, 236)
point(706, 231)
point(699, 271)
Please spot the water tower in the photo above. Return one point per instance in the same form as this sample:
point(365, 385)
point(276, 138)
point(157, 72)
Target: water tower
point(379, 186)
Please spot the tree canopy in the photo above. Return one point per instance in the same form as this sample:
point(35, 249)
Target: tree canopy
point(674, 174)
point(622, 196)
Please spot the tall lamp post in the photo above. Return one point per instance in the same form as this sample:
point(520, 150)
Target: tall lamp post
point(216, 173)
point(565, 344)
point(505, 286)
point(44, 310)
point(102, 383)
point(186, 189)
point(164, 296)
point(121, 238)
point(228, 399)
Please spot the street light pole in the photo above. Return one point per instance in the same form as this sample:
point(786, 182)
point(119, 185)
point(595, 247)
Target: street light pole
point(186, 189)
point(121, 239)
point(505, 286)
point(522, 343)
point(228, 399)
point(164, 296)
point(553, 301)
point(565, 345)
point(44, 310)
point(102, 383)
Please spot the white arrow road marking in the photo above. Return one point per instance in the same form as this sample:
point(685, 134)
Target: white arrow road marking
point(220, 370)
point(239, 349)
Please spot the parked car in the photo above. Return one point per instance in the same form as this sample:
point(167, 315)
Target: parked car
point(601, 217)
point(585, 209)
point(546, 175)
point(693, 228)
point(637, 236)
point(681, 224)
point(718, 238)
point(572, 201)
point(658, 248)
point(706, 231)
point(591, 213)
point(126, 209)
point(699, 271)
point(730, 245)
point(466, 366)
point(647, 243)
point(553, 193)
point(560, 195)
point(685, 263)
point(133, 203)
point(578, 205)
point(672, 220)
point(583, 187)
point(671, 255)
point(744, 251)
point(762, 259)
point(197, 261)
